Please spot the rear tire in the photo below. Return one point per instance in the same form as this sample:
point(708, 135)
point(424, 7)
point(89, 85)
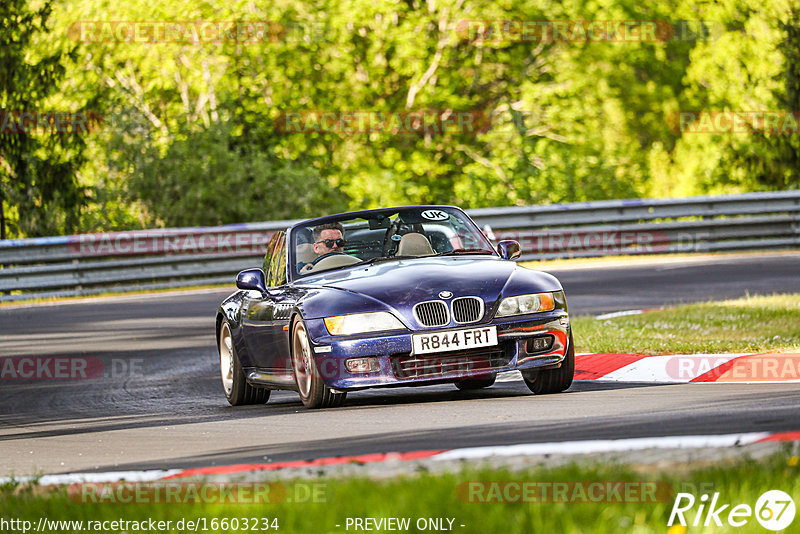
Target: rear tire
point(552, 380)
point(234, 384)
point(479, 382)
point(313, 391)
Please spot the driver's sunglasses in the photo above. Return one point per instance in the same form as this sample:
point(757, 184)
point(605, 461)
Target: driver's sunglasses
point(330, 242)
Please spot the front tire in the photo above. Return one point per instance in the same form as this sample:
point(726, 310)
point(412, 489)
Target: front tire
point(552, 380)
point(234, 384)
point(313, 391)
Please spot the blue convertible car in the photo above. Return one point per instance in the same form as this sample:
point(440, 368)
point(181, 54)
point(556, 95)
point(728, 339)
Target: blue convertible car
point(390, 297)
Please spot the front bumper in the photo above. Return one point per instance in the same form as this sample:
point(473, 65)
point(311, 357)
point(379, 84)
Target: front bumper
point(398, 367)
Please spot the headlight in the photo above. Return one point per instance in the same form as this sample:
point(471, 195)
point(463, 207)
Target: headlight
point(361, 323)
point(522, 304)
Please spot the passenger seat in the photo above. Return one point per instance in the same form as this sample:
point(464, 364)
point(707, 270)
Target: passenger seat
point(413, 244)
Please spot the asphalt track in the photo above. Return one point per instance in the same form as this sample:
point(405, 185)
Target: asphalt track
point(160, 404)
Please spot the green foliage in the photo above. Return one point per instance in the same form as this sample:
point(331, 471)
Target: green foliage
point(742, 68)
point(190, 134)
point(210, 177)
point(772, 161)
point(39, 188)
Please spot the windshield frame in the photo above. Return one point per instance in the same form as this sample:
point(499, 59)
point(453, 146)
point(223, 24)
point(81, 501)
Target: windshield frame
point(291, 246)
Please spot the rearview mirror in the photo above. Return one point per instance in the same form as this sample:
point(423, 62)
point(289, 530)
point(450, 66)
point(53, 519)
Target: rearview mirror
point(253, 279)
point(509, 249)
point(379, 222)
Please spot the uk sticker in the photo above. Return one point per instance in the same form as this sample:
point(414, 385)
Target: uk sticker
point(435, 215)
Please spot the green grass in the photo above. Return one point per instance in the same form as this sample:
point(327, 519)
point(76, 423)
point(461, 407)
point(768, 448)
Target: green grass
point(425, 495)
point(750, 324)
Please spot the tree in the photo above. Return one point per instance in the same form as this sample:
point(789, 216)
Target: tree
point(39, 189)
point(192, 132)
point(773, 159)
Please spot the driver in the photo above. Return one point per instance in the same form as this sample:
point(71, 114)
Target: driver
point(328, 241)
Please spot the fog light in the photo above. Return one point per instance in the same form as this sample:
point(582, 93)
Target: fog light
point(539, 344)
point(362, 365)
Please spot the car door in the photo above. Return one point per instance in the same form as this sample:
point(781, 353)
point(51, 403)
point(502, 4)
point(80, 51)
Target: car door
point(258, 311)
point(283, 301)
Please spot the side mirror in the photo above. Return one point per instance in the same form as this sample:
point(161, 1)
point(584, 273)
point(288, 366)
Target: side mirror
point(252, 279)
point(509, 249)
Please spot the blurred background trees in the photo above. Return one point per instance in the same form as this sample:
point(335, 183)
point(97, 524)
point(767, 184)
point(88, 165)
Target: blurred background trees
point(40, 189)
point(189, 132)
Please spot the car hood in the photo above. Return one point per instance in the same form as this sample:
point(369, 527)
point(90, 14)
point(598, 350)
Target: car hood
point(400, 284)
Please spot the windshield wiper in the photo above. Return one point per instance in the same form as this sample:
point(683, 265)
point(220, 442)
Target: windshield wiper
point(457, 251)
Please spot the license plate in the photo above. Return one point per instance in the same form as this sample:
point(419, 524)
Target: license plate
point(468, 338)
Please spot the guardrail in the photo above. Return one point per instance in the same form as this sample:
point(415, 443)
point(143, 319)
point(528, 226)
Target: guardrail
point(153, 259)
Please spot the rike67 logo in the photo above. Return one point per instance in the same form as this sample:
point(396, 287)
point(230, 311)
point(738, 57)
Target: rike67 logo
point(774, 510)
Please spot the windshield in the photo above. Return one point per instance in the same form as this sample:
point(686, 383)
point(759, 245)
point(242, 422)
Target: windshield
point(382, 236)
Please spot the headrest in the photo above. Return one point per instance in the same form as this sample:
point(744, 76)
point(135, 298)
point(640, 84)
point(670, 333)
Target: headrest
point(413, 244)
point(305, 253)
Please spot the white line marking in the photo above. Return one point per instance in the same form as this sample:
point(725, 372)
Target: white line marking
point(618, 314)
point(603, 445)
point(113, 476)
